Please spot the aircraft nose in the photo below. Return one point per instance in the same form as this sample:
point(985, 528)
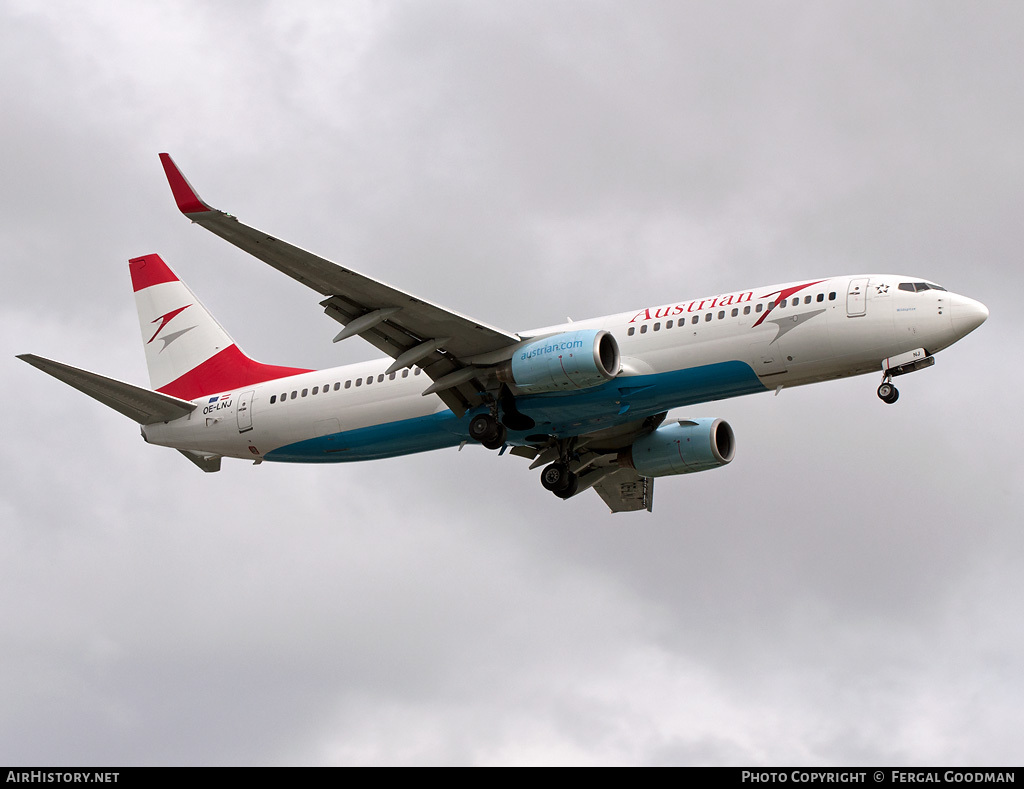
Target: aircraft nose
point(967, 314)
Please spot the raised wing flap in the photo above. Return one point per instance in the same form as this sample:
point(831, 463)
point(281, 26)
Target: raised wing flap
point(626, 491)
point(393, 321)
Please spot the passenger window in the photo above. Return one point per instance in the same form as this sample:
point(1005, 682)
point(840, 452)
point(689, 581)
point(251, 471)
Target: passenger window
point(695, 319)
point(305, 392)
point(832, 296)
point(392, 376)
point(284, 396)
point(316, 390)
point(348, 384)
point(735, 312)
point(405, 373)
point(746, 310)
point(369, 380)
point(821, 297)
point(759, 307)
point(668, 324)
point(416, 371)
point(807, 300)
point(359, 381)
point(643, 329)
point(337, 385)
point(721, 314)
point(707, 317)
point(380, 378)
point(273, 399)
point(784, 303)
point(657, 327)
point(294, 395)
point(631, 331)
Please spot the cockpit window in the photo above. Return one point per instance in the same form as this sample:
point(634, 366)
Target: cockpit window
point(917, 287)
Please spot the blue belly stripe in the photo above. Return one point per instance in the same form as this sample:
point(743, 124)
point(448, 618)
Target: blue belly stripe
point(616, 402)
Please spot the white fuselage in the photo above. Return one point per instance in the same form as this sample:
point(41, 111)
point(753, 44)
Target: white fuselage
point(673, 355)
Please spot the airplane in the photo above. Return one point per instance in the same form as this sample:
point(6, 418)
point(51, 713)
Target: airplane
point(585, 401)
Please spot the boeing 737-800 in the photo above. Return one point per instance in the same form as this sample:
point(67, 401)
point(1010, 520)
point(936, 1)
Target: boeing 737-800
point(587, 401)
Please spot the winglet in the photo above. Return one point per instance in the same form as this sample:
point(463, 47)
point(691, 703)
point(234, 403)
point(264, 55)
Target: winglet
point(184, 195)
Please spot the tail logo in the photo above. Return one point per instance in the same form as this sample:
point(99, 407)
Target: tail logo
point(164, 320)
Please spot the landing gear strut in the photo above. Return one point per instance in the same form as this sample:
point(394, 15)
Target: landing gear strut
point(888, 393)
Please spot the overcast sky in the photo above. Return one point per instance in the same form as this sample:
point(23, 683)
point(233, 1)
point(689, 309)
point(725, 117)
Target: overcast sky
point(848, 591)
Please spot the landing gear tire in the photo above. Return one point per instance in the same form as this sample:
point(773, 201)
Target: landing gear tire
point(556, 477)
point(481, 427)
point(888, 393)
point(569, 490)
point(488, 431)
point(498, 442)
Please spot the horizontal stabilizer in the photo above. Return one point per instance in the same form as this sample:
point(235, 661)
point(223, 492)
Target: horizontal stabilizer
point(142, 405)
point(207, 461)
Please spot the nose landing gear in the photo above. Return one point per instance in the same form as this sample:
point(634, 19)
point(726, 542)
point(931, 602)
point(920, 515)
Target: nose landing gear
point(909, 362)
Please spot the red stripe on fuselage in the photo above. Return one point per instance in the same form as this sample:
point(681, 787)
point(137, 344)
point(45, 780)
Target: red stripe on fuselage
point(149, 270)
point(228, 369)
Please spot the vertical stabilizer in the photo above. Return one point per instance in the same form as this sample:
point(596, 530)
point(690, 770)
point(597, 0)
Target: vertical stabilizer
point(187, 352)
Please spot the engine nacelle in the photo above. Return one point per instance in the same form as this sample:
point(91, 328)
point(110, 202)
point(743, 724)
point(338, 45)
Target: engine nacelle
point(567, 361)
point(682, 448)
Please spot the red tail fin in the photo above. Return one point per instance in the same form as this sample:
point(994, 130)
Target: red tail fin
point(188, 353)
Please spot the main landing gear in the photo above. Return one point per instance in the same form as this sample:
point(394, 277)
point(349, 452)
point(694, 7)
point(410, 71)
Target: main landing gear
point(558, 477)
point(888, 393)
point(486, 429)
point(560, 480)
point(491, 431)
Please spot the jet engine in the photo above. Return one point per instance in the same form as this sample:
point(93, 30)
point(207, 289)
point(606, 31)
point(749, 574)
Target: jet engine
point(687, 446)
point(563, 362)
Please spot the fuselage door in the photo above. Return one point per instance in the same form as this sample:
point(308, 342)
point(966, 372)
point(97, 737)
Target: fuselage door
point(245, 411)
point(856, 298)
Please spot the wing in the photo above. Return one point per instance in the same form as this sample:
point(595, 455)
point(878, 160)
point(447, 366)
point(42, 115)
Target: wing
point(143, 405)
point(405, 327)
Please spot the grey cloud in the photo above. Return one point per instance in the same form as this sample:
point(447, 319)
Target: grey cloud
point(844, 593)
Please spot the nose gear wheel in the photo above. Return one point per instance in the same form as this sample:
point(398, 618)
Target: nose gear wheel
point(888, 393)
